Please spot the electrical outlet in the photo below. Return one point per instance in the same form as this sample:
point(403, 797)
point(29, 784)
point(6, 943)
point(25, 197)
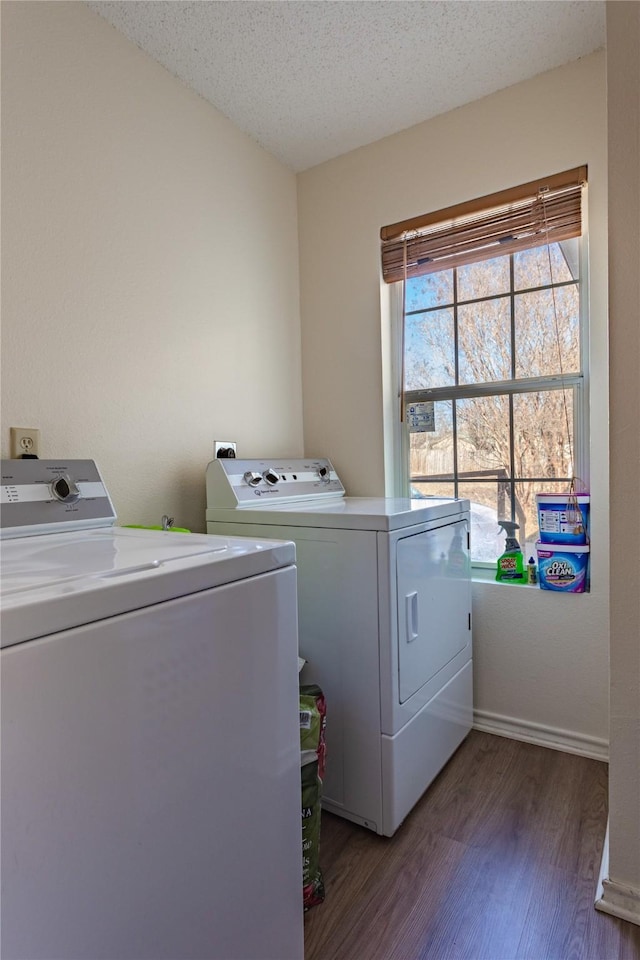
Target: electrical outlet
point(24, 441)
point(224, 449)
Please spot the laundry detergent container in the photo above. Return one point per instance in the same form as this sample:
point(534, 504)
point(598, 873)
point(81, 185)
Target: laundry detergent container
point(563, 517)
point(563, 567)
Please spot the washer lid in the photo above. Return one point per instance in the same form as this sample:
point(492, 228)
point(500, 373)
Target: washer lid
point(56, 581)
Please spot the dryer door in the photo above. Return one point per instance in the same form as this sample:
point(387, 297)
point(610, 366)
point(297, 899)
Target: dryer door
point(433, 582)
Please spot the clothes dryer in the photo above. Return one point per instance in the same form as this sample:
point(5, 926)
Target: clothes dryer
point(384, 605)
point(150, 739)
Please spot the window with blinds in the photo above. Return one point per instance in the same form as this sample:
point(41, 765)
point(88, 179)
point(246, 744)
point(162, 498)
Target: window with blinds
point(492, 383)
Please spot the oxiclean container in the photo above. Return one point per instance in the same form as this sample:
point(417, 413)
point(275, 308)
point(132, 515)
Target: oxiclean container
point(563, 567)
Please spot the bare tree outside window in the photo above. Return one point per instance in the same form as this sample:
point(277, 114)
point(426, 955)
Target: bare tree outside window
point(496, 346)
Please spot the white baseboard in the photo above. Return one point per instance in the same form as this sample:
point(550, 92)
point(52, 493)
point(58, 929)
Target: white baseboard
point(566, 741)
point(614, 898)
point(620, 901)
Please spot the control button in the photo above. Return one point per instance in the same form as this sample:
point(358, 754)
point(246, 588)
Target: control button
point(271, 477)
point(253, 479)
point(65, 489)
point(323, 473)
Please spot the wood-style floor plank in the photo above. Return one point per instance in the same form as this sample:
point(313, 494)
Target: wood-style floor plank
point(498, 861)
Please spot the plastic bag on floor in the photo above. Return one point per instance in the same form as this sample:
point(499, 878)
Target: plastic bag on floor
point(312, 758)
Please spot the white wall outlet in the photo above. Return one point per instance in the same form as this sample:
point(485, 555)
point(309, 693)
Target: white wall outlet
point(24, 441)
point(224, 449)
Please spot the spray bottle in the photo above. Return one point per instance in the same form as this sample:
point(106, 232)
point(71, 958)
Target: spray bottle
point(511, 567)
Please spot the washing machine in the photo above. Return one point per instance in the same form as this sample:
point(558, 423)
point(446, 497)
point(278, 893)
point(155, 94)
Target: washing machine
point(150, 738)
point(384, 607)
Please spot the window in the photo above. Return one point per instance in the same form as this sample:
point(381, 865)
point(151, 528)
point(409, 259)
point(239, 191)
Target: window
point(493, 344)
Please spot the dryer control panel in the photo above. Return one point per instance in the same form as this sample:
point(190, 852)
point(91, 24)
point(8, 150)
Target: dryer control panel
point(253, 483)
point(52, 496)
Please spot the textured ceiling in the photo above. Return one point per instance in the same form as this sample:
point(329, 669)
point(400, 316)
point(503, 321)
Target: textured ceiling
point(312, 79)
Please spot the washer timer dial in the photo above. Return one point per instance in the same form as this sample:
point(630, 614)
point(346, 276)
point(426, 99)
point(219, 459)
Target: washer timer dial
point(271, 477)
point(65, 489)
point(252, 478)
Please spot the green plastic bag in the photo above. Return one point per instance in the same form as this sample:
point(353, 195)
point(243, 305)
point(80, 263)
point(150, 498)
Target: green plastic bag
point(312, 757)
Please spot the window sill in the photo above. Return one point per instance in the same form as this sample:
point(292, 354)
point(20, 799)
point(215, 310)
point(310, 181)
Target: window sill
point(488, 575)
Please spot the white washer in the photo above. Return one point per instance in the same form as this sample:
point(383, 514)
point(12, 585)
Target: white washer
point(384, 608)
point(150, 738)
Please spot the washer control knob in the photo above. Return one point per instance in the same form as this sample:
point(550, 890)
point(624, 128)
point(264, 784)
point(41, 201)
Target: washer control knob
point(65, 489)
point(271, 477)
point(324, 473)
point(253, 479)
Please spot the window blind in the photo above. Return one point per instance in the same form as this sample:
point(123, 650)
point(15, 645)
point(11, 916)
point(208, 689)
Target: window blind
point(542, 211)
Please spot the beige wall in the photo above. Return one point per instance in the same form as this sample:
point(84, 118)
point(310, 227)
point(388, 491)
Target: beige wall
point(541, 662)
point(623, 76)
point(149, 304)
point(150, 298)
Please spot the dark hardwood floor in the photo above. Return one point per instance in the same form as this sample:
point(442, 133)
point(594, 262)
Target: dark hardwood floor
point(498, 861)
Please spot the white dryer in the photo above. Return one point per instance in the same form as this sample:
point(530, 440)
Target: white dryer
point(384, 606)
point(150, 738)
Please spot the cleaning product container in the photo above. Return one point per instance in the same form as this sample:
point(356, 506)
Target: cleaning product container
point(563, 517)
point(563, 566)
point(510, 567)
